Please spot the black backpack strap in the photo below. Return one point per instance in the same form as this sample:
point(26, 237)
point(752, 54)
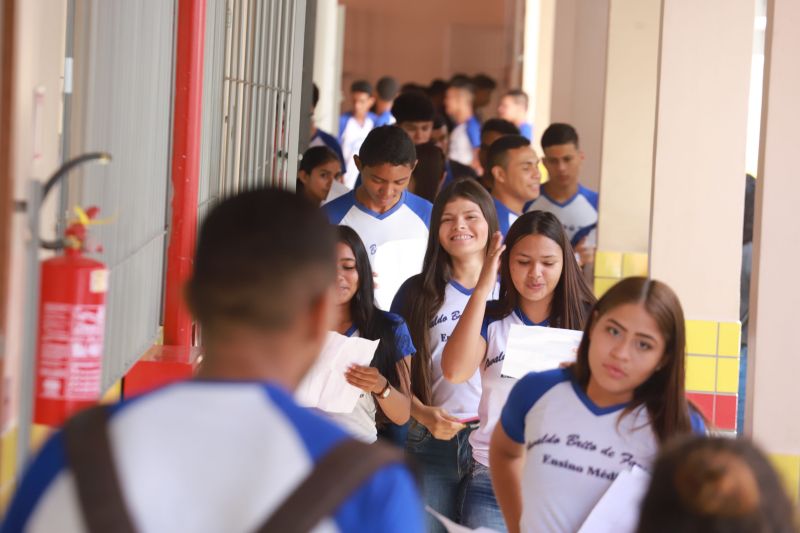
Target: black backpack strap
point(334, 479)
point(88, 452)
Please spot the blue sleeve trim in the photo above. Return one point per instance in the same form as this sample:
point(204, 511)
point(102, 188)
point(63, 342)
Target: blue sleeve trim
point(526, 392)
point(402, 337)
point(38, 477)
point(403, 295)
point(590, 195)
point(339, 207)
point(698, 424)
point(526, 130)
point(420, 206)
point(474, 132)
point(487, 320)
point(581, 233)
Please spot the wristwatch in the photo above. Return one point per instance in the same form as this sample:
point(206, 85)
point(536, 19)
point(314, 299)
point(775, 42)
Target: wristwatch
point(385, 392)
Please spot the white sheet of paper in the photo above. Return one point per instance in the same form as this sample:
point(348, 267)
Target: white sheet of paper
point(452, 527)
point(395, 262)
point(618, 509)
point(324, 386)
point(536, 349)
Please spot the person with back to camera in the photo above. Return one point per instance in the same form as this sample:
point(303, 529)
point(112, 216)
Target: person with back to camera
point(715, 485)
point(230, 450)
point(540, 285)
point(565, 435)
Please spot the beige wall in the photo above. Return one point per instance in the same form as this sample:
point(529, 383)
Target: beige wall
point(699, 162)
point(419, 40)
point(775, 296)
point(628, 125)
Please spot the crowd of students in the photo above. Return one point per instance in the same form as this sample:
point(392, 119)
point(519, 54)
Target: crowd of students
point(496, 249)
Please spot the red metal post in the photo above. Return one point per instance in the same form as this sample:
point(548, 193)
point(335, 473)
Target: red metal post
point(186, 130)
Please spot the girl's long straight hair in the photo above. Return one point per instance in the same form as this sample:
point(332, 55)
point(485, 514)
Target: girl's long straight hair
point(664, 393)
point(371, 322)
point(426, 291)
point(572, 297)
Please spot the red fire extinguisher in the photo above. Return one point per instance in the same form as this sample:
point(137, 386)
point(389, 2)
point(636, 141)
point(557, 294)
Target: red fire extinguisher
point(71, 327)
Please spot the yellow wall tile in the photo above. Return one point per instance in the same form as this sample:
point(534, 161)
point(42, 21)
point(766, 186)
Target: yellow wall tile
point(601, 285)
point(788, 466)
point(608, 264)
point(113, 394)
point(8, 456)
point(700, 374)
point(701, 337)
point(729, 338)
point(727, 375)
point(634, 264)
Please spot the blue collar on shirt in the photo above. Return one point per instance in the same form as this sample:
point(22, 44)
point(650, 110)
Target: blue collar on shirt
point(460, 288)
point(380, 216)
point(593, 407)
point(567, 201)
point(528, 322)
point(352, 329)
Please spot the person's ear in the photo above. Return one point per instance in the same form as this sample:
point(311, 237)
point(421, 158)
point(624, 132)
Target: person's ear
point(498, 174)
point(414, 166)
point(322, 315)
point(371, 101)
point(359, 164)
point(303, 177)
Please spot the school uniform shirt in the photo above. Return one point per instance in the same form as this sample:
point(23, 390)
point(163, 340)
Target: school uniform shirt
point(465, 138)
point(202, 456)
point(460, 400)
point(351, 136)
point(494, 386)
point(408, 219)
point(574, 449)
point(361, 422)
point(526, 130)
point(322, 138)
point(578, 215)
point(384, 119)
point(505, 216)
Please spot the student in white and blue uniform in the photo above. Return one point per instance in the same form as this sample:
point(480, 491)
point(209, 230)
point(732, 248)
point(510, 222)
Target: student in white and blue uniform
point(578, 428)
point(536, 267)
point(465, 138)
point(385, 92)
point(513, 107)
point(563, 195)
point(432, 302)
point(384, 384)
point(381, 210)
point(222, 452)
point(514, 168)
point(323, 138)
point(355, 125)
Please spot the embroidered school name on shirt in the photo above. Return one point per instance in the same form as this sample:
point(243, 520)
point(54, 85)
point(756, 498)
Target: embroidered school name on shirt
point(441, 319)
point(573, 440)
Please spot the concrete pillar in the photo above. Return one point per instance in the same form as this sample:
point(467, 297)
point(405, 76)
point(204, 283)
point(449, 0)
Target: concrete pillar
point(698, 185)
point(626, 164)
point(537, 69)
point(328, 47)
point(773, 362)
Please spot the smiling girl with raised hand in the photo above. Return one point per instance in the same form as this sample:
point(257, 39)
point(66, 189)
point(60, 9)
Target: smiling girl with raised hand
point(540, 284)
point(566, 434)
point(462, 221)
point(385, 383)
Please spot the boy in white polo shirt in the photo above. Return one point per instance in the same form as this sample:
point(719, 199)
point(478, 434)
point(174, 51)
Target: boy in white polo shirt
point(573, 204)
point(355, 125)
point(381, 210)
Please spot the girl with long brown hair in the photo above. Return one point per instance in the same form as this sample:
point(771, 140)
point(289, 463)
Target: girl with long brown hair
point(566, 434)
point(462, 220)
point(540, 284)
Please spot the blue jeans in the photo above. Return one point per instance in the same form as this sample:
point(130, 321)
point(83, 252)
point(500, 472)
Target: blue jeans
point(479, 506)
point(443, 466)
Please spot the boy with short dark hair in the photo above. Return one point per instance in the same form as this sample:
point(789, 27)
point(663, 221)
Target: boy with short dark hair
point(414, 113)
point(563, 195)
point(226, 451)
point(514, 167)
point(385, 92)
point(465, 138)
point(514, 108)
point(380, 209)
point(355, 125)
point(484, 87)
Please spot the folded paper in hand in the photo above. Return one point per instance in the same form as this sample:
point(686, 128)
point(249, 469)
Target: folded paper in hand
point(395, 262)
point(324, 386)
point(452, 527)
point(618, 509)
point(536, 349)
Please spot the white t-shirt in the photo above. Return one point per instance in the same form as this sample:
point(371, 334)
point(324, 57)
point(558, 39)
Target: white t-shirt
point(361, 422)
point(574, 449)
point(578, 215)
point(464, 139)
point(494, 386)
point(351, 136)
point(210, 456)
